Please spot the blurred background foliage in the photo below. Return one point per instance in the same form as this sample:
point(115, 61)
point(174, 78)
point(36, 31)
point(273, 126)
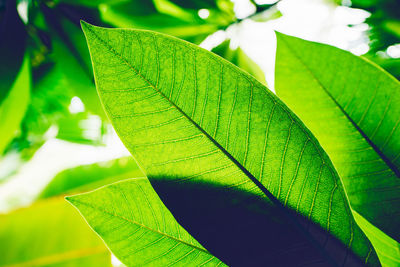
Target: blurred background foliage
point(47, 91)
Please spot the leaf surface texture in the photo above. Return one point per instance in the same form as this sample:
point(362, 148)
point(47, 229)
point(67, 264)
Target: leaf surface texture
point(138, 228)
point(352, 107)
point(189, 116)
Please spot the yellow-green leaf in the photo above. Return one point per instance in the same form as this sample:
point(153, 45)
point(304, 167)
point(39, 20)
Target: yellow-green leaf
point(49, 233)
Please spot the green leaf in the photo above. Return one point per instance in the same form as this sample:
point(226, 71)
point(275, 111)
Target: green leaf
point(13, 108)
point(49, 233)
point(352, 107)
point(388, 250)
point(138, 228)
point(240, 59)
point(89, 177)
point(203, 119)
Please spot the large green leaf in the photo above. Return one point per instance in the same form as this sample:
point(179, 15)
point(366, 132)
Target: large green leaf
point(89, 177)
point(189, 116)
point(352, 107)
point(138, 228)
point(13, 108)
point(49, 233)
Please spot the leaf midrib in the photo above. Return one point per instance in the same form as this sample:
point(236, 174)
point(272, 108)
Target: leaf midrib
point(238, 164)
point(387, 161)
point(250, 176)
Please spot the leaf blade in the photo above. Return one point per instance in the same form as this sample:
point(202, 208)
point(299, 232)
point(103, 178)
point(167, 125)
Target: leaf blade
point(348, 126)
point(142, 218)
point(188, 115)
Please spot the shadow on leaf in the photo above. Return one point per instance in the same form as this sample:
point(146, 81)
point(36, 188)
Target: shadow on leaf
point(244, 229)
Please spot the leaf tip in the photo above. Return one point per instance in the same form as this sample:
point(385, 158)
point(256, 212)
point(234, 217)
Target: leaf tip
point(87, 28)
point(84, 25)
point(70, 200)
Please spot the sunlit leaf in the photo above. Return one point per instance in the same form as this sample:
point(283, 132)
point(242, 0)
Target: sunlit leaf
point(138, 228)
point(89, 177)
point(13, 108)
point(49, 233)
point(201, 119)
point(352, 107)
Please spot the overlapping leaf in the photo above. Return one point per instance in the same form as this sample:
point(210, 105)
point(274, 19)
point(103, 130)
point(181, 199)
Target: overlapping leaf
point(138, 228)
point(352, 107)
point(203, 120)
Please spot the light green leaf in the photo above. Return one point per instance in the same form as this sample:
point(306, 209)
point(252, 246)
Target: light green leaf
point(240, 59)
point(89, 177)
point(138, 228)
point(187, 115)
point(352, 107)
point(49, 233)
point(13, 108)
point(388, 250)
